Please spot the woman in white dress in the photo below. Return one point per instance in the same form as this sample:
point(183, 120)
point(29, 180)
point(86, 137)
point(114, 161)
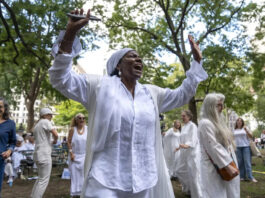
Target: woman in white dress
point(171, 143)
point(188, 170)
point(217, 144)
point(124, 154)
point(77, 152)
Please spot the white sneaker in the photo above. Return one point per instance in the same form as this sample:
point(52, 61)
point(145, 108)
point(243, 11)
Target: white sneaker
point(254, 180)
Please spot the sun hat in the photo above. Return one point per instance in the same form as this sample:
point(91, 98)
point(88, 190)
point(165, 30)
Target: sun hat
point(46, 111)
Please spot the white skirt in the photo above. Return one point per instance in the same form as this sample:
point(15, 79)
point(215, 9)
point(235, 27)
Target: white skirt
point(76, 169)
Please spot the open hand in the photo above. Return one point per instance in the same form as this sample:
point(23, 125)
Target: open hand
point(196, 52)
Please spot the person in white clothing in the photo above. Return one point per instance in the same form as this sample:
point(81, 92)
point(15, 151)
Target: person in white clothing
point(217, 149)
point(124, 154)
point(242, 137)
point(171, 143)
point(30, 146)
point(77, 152)
point(17, 156)
point(188, 169)
point(42, 132)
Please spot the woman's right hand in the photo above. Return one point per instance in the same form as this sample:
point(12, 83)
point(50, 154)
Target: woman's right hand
point(75, 25)
point(232, 171)
point(72, 156)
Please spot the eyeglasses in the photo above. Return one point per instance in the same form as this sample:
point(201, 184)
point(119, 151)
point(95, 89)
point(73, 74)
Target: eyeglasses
point(80, 118)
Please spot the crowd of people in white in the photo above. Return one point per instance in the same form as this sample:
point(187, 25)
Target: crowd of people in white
point(13, 163)
point(195, 154)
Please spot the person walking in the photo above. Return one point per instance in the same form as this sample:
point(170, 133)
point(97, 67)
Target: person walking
point(7, 137)
point(188, 170)
point(77, 152)
point(242, 137)
point(217, 150)
point(171, 144)
point(124, 154)
point(42, 132)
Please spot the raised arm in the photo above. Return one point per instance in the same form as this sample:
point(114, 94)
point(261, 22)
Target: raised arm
point(182, 94)
point(66, 81)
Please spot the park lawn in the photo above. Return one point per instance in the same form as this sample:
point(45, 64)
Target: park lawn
point(59, 188)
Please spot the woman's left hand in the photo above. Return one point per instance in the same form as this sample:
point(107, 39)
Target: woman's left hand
point(183, 146)
point(196, 52)
point(6, 154)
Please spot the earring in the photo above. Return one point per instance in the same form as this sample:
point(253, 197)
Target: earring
point(119, 72)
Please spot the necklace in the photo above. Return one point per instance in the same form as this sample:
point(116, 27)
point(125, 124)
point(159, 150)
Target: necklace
point(80, 131)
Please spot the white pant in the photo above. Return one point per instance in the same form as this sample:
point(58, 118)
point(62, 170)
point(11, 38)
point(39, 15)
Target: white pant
point(96, 190)
point(44, 172)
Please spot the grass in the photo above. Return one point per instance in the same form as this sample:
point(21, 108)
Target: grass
point(59, 188)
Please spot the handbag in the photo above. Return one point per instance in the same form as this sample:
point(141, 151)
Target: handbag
point(254, 150)
point(224, 174)
point(222, 171)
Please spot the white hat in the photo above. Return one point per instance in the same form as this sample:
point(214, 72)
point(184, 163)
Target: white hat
point(46, 111)
point(19, 138)
point(115, 58)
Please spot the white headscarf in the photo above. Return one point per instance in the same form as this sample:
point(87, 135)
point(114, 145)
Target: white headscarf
point(115, 58)
point(107, 116)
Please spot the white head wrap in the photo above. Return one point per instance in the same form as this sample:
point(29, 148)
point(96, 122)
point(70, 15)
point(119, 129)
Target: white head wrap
point(115, 58)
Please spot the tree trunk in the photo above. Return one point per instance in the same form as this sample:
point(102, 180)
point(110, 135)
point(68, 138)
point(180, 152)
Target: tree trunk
point(193, 109)
point(30, 107)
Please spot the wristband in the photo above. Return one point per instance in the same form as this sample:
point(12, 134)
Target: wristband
point(70, 150)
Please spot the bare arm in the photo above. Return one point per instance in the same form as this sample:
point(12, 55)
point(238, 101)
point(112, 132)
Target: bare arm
point(249, 134)
point(55, 135)
point(69, 140)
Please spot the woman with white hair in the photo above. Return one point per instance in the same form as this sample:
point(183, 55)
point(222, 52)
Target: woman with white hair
point(124, 154)
point(77, 152)
point(217, 148)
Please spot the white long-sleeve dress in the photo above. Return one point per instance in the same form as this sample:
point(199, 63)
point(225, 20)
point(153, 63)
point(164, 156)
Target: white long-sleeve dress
point(130, 158)
point(171, 142)
point(76, 167)
point(212, 183)
point(188, 170)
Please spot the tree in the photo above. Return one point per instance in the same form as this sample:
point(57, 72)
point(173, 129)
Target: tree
point(67, 110)
point(27, 32)
point(158, 26)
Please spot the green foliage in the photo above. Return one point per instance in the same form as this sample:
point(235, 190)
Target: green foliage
point(66, 111)
point(27, 32)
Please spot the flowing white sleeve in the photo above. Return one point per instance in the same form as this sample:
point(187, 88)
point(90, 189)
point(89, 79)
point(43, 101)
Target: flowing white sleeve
point(182, 94)
point(193, 140)
point(214, 149)
point(65, 80)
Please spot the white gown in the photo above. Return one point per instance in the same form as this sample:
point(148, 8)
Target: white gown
point(76, 167)
point(212, 184)
point(188, 170)
point(171, 142)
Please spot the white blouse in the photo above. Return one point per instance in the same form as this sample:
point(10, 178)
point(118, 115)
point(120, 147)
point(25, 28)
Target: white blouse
point(241, 137)
point(127, 161)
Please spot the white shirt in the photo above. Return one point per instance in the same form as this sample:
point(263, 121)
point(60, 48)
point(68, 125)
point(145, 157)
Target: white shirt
point(241, 137)
point(42, 136)
point(129, 158)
